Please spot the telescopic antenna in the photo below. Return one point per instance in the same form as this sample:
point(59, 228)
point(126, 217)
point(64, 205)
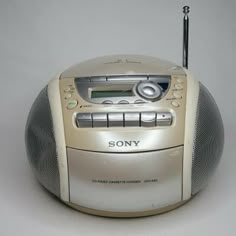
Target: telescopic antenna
point(185, 36)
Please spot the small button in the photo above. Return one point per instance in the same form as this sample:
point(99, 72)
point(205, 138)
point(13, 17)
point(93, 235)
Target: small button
point(164, 119)
point(67, 95)
point(139, 101)
point(175, 104)
point(72, 104)
point(178, 86)
point(67, 89)
point(180, 81)
point(84, 120)
point(107, 102)
point(115, 120)
point(132, 119)
point(123, 102)
point(148, 119)
point(177, 95)
point(99, 119)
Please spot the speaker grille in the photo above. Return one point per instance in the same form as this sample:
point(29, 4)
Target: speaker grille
point(40, 143)
point(209, 140)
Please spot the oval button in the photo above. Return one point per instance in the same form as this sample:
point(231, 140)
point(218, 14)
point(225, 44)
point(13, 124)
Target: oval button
point(67, 95)
point(123, 102)
point(175, 104)
point(139, 101)
point(67, 89)
point(177, 95)
point(178, 86)
point(149, 90)
point(72, 104)
point(107, 102)
point(180, 81)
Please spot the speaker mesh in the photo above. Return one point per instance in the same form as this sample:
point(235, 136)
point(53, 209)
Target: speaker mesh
point(209, 140)
point(40, 143)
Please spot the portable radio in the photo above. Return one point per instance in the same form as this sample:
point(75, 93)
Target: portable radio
point(125, 135)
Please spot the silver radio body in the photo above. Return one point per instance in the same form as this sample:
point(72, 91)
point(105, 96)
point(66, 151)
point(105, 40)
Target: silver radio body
point(124, 136)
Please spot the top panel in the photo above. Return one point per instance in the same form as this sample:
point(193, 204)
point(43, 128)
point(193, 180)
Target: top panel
point(123, 65)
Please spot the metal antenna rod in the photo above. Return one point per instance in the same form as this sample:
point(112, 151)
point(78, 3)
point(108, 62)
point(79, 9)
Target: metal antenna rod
point(185, 36)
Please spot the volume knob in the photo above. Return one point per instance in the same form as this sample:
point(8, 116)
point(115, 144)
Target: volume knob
point(149, 90)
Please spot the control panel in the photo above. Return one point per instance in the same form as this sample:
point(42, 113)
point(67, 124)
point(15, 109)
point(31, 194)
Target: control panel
point(127, 89)
point(100, 109)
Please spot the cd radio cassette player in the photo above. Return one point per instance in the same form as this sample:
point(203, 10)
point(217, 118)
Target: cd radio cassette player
point(124, 136)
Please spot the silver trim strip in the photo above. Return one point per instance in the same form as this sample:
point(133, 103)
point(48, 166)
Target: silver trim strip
point(58, 125)
point(191, 109)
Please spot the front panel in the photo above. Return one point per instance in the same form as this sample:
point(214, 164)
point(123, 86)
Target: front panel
point(127, 182)
point(124, 134)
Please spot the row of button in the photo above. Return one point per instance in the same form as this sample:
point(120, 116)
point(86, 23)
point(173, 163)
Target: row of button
point(120, 119)
point(177, 92)
point(68, 93)
point(139, 101)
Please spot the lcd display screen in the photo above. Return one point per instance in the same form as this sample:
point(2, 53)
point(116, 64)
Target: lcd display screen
point(111, 93)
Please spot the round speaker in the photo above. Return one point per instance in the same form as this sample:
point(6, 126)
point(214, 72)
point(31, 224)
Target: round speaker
point(41, 145)
point(208, 140)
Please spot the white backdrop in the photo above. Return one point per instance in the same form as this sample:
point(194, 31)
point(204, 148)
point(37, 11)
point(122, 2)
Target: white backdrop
point(40, 38)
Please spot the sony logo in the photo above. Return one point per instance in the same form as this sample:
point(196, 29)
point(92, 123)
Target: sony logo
point(123, 143)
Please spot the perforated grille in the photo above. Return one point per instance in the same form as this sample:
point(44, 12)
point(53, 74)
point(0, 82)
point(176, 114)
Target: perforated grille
point(40, 143)
point(209, 140)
